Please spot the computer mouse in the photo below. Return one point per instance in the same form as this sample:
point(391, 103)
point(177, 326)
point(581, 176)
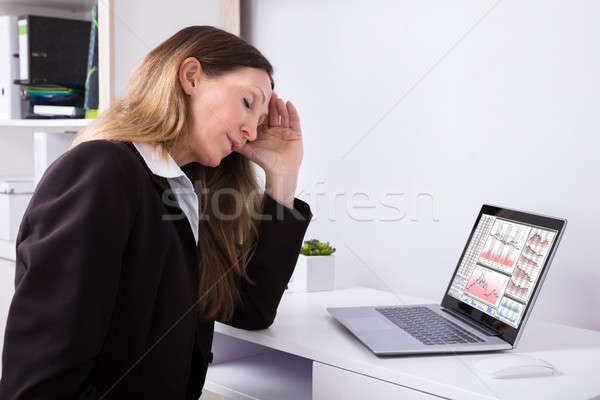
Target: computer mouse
point(514, 366)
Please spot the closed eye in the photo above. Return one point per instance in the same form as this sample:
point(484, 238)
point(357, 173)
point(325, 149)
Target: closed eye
point(246, 104)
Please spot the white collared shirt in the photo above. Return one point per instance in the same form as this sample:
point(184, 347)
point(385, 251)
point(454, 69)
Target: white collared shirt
point(182, 187)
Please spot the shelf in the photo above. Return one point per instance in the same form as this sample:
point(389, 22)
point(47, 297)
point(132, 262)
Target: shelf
point(43, 123)
point(7, 250)
point(273, 375)
point(66, 5)
point(18, 126)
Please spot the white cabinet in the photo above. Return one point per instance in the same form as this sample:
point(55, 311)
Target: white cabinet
point(335, 383)
point(244, 370)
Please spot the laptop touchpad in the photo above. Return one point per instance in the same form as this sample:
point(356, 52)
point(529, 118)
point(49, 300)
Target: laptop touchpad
point(367, 323)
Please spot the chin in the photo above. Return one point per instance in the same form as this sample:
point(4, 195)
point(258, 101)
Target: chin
point(216, 160)
point(211, 161)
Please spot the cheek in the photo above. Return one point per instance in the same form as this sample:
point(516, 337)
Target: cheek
point(229, 119)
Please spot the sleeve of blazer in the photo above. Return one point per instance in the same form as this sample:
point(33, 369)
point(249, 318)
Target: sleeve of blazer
point(279, 240)
point(69, 250)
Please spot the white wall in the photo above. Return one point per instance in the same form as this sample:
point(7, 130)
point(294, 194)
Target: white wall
point(468, 101)
point(138, 28)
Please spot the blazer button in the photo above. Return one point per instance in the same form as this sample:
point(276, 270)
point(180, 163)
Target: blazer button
point(210, 357)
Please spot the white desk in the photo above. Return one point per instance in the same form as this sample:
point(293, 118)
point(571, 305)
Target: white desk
point(306, 354)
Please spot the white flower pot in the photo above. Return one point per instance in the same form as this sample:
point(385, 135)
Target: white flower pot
point(313, 273)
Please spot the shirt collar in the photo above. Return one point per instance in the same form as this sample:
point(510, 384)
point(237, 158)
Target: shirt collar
point(155, 162)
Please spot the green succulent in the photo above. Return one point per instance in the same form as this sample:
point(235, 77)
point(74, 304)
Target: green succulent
point(314, 247)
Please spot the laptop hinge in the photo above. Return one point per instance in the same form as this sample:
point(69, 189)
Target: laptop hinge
point(470, 322)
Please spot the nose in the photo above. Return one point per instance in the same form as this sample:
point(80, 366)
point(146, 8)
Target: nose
point(249, 133)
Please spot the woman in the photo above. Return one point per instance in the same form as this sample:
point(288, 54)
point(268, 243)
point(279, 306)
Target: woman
point(151, 227)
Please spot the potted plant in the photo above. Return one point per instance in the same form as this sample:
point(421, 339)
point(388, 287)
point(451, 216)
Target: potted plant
point(315, 269)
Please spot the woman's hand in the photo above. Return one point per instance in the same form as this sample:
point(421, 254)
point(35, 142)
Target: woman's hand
point(278, 150)
point(278, 145)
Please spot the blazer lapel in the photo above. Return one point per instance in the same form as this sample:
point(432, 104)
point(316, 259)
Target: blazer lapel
point(161, 182)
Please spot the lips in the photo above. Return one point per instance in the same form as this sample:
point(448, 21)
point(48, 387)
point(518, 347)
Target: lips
point(234, 144)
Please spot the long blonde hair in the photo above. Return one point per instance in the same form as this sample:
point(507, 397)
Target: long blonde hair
point(154, 109)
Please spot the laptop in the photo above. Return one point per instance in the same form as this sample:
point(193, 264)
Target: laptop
point(489, 297)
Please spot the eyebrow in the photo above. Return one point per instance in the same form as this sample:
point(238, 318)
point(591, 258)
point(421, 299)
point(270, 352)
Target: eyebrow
point(263, 117)
point(261, 92)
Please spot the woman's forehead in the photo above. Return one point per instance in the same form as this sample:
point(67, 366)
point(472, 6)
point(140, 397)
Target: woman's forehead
point(253, 77)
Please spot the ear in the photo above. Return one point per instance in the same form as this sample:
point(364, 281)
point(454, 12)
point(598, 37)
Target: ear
point(190, 72)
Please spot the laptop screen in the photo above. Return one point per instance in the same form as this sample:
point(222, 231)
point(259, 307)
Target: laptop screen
point(502, 264)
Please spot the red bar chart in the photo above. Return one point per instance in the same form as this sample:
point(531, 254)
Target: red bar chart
point(504, 245)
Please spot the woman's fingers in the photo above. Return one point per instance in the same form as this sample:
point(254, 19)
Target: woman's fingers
point(273, 114)
point(282, 110)
point(293, 116)
point(282, 114)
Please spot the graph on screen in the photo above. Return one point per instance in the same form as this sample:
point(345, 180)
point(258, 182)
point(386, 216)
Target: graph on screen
point(529, 265)
point(504, 245)
point(510, 311)
point(501, 267)
point(486, 285)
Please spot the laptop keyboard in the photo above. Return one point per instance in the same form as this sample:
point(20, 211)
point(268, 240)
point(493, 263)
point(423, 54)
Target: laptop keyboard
point(427, 326)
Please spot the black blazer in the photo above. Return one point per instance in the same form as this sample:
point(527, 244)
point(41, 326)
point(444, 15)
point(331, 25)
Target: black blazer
point(105, 286)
